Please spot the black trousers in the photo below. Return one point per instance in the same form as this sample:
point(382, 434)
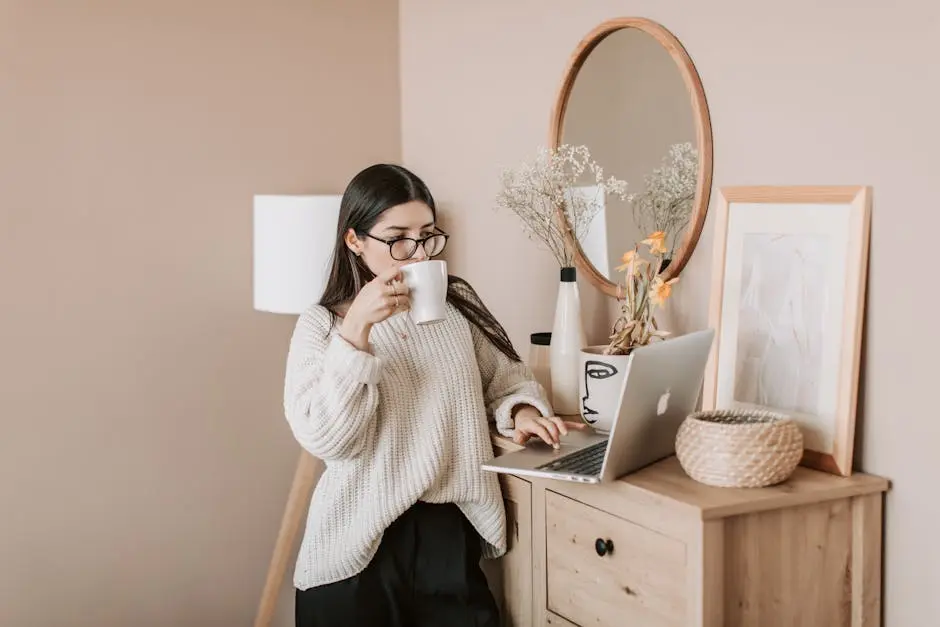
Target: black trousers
point(426, 573)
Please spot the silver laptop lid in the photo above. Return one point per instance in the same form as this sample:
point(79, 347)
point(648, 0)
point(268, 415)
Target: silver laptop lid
point(661, 389)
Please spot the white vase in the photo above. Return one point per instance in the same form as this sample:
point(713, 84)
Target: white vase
point(566, 344)
point(601, 382)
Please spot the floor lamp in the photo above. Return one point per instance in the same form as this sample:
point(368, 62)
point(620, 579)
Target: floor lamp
point(293, 243)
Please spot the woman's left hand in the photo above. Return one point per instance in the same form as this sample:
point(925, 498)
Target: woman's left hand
point(529, 422)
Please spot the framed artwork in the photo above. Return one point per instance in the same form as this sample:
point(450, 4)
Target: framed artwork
point(787, 306)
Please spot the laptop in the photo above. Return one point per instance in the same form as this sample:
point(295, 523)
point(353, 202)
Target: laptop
point(660, 390)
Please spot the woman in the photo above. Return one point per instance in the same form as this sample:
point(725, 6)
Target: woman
point(403, 513)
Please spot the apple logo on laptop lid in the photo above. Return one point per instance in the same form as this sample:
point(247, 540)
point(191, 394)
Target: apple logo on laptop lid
point(663, 405)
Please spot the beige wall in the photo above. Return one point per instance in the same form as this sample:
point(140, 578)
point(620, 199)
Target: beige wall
point(801, 93)
point(144, 460)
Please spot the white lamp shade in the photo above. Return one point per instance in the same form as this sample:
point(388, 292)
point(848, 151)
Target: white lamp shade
point(293, 247)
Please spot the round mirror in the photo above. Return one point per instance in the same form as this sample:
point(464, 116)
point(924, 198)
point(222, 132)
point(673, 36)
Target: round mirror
point(632, 96)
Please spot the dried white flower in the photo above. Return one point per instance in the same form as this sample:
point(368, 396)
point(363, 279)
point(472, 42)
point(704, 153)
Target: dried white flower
point(537, 190)
point(666, 205)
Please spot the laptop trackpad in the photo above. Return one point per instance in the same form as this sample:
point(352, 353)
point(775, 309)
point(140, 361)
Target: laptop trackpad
point(574, 440)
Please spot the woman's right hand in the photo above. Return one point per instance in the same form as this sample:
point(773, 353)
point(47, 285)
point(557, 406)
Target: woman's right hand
point(379, 299)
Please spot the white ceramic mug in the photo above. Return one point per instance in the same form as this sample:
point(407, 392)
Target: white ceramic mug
point(427, 281)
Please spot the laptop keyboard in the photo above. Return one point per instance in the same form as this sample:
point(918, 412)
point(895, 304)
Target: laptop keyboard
point(587, 461)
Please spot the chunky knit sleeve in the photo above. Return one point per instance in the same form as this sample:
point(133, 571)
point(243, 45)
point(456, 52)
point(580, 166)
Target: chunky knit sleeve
point(506, 383)
point(330, 389)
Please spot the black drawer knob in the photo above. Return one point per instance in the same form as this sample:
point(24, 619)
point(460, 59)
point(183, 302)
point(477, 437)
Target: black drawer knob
point(603, 547)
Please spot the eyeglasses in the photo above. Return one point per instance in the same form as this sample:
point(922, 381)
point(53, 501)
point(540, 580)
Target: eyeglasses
point(404, 248)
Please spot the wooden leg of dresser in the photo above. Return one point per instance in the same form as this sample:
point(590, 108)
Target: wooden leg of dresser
point(866, 560)
point(539, 543)
point(706, 575)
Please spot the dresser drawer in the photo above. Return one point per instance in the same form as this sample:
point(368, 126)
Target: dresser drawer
point(603, 570)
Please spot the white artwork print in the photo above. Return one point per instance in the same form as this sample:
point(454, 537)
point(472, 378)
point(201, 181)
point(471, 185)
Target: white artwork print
point(781, 327)
point(781, 309)
point(595, 243)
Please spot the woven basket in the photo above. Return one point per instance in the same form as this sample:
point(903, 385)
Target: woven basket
point(739, 449)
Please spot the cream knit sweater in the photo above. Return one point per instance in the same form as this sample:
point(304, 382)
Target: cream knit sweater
point(407, 422)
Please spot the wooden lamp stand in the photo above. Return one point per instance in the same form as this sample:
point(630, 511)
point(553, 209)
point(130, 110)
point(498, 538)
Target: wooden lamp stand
point(308, 472)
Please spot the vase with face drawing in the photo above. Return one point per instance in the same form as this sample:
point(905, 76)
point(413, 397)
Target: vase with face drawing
point(601, 382)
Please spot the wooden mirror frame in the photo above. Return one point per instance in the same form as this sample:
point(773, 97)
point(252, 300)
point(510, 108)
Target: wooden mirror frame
point(703, 132)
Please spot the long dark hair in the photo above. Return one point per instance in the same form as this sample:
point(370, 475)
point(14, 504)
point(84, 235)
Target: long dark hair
point(369, 194)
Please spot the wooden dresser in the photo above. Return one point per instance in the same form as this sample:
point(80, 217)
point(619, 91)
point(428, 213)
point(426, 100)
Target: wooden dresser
point(658, 549)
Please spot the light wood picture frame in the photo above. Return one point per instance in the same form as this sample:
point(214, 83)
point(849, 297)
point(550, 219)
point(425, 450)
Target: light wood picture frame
point(787, 304)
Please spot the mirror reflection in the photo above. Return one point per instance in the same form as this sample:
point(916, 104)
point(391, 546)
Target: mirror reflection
point(630, 106)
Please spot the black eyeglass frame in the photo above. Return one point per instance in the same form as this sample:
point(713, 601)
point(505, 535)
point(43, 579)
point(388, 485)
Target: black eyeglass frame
point(417, 242)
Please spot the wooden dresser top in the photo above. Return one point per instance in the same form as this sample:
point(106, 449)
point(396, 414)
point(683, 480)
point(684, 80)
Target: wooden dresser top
point(666, 483)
